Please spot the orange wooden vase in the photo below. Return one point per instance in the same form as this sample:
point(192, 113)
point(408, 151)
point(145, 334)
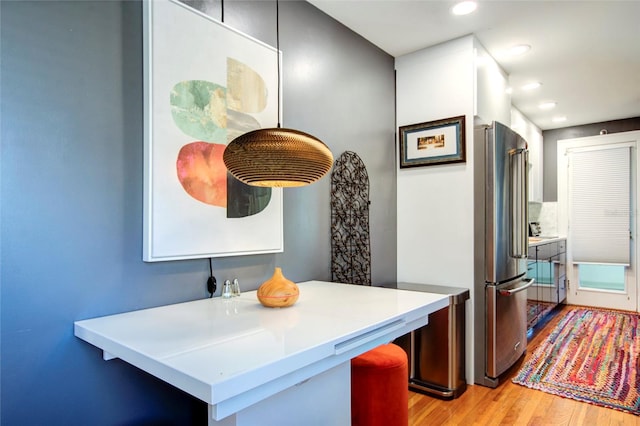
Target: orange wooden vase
point(277, 291)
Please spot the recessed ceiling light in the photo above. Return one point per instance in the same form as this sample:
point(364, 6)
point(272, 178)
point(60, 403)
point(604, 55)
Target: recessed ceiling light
point(547, 105)
point(464, 8)
point(532, 85)
point(559, 119)
point(518, 49)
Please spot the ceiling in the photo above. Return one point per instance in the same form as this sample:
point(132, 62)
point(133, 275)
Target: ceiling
point(586, 54)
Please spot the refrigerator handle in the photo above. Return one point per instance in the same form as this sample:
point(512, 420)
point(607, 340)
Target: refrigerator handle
point(518, 160)
point(512, 291)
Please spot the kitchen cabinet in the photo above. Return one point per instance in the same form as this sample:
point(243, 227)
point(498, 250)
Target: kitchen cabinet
point(547, 265)
point(533, 135)
point(535, 166)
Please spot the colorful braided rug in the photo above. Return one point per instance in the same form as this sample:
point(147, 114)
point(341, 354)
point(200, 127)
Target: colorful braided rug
point(591, 356)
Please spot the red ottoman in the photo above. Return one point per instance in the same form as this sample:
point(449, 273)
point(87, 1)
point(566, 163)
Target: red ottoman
point(380, 387)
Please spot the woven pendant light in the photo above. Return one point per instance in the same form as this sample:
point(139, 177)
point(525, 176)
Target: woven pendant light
point(277, 157)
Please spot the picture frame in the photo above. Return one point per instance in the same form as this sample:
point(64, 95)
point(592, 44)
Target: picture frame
point(433, 142)
point(205, 84)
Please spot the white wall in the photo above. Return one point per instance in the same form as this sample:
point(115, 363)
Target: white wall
point(436, 203)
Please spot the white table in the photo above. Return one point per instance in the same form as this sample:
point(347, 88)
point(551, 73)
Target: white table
point(257, 365)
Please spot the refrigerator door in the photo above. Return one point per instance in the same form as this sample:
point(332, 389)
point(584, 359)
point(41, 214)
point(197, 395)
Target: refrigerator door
point(506, 204)
point(506, 324)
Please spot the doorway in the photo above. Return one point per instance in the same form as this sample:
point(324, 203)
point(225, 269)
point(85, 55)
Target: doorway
point(597, 211)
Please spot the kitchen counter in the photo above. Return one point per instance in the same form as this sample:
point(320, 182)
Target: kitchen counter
point(253, 364)
point(538, 241)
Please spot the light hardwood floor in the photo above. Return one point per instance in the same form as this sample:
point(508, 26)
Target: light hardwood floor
point(511, 404)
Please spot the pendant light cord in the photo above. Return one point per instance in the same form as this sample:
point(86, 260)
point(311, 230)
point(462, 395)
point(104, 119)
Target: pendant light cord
point(278, 53)
point(277, 46)
point(211, 281)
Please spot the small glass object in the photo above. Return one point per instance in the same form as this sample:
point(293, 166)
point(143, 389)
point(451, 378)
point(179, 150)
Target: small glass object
point(227, 292)
point(235, 288)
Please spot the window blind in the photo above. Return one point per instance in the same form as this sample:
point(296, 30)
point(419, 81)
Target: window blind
point(600, 204)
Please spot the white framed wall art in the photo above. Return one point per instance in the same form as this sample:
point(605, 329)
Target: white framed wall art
point(205, 84)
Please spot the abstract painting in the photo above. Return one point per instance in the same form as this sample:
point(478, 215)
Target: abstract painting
point(205, 84)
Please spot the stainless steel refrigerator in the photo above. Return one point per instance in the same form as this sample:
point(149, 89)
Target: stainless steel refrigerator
point(501, 250)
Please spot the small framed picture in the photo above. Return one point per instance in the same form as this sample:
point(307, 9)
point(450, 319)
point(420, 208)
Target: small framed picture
point(434, 142)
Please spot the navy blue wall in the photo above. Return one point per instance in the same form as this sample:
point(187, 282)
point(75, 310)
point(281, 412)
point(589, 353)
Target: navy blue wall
point(71, 194)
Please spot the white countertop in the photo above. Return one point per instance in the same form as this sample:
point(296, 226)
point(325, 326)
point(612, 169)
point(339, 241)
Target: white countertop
point(227, 352)
point(538, 241)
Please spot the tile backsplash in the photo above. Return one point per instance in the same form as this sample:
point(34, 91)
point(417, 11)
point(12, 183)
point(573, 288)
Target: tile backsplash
point(547, 214)
point(534, 211)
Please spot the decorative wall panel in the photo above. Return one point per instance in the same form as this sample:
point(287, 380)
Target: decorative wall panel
point(350, 245)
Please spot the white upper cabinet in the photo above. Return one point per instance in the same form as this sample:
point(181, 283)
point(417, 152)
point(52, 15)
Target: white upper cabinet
point(492, 101)
point(533, 135)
